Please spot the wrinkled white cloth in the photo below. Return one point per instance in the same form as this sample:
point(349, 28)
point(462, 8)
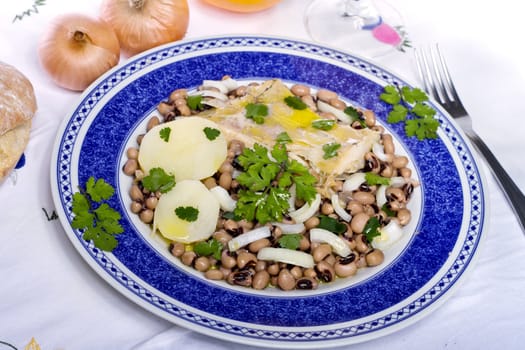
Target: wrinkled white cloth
point(48, 292)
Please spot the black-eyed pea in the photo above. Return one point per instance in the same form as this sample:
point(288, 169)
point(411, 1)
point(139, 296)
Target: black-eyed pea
point(146, 216)
point(135, 207)
point(227, 261)
point(201, 264)
point(370, 118)
point(330, 259)
point(300, 90)
point(154, 121)
point(374, 257)
point(309, 101)
point(337, 103)
point(306, 283)
point(260, 279)
point(136, 193)
point(297, 272)
point(325, 271)
point(184, 110)
point(177, 249)
point(165, 108)
point(188, 257)
point(132, 153)
point(346, 266)
point(361, 261)
point(260, 265)
point(240, 278)
point(395, 194)
point(405, 172)
point(222, 236)
point(358, 222)
point(179, 94)
point(327, 208)
point(312, 222)
point(130, 167)
point(254, 247)
point(403, 216)
point(151, 202)
point(400, 162)
point(245, 258)
point(321, 252)
point(388, 143)
point(364, 197)
point(285, 280)
point(354, 207)
point(209, 182)
point(225, 180)
point(225, 272)
point(362, 245)
point(214, 274)
point(310, 272)
point(231, 225)
point(273, 269)
point(326, 95)
point(139, 139)
point(304, 243)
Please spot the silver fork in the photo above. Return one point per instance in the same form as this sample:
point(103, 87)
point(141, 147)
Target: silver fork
point(434, 73)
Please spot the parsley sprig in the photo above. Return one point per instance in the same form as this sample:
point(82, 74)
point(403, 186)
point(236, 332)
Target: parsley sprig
point(266, 182)
point(409, 106)
point(99, 222)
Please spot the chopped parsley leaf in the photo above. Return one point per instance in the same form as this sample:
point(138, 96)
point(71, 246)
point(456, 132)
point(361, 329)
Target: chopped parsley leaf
point(323, 124)
point(257, 112)
point(211, 133)
point(188, 213)
point(330, 150)
point(295, 102)
point(158, 180)
point(164, 133)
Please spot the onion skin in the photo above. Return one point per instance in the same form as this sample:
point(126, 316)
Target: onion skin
point(77, 49)
point(243, 5)
point(143, 24)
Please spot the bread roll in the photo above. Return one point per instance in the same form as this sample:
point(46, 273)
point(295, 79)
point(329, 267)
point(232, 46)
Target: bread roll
point(17, 108)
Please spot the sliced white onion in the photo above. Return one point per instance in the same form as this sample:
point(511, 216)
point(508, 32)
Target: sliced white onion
point(212, 93)
point(226, 202)
point(339, 210)
point(217, 84)
point(307, 210)
point(338, 244)
point(390, 234)
point(290, 228)
point(353, 182)
point(339, 114)
point(213, 102)
point(397, 181)
point(381, 195)
point(379, 151)
point(248, 237)
point(287, 256)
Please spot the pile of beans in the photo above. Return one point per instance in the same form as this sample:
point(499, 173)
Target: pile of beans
point(242, 267)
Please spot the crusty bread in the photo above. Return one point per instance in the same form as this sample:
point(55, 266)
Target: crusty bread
point(17, 108)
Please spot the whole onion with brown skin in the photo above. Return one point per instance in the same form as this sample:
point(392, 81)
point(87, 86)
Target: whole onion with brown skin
point(77, 49)
point(143, 24)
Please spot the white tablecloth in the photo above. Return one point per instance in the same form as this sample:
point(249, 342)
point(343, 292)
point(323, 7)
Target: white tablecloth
point(48, 292)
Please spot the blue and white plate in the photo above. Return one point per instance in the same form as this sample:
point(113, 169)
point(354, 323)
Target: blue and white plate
point(449, 208)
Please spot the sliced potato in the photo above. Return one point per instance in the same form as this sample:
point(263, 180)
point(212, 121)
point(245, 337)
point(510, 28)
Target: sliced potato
point(187, 194)
point(188, 148)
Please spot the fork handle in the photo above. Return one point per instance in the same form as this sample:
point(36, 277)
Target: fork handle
point(509, 187)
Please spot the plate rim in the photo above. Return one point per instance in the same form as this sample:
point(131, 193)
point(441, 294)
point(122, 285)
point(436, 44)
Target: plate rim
point(237, 338)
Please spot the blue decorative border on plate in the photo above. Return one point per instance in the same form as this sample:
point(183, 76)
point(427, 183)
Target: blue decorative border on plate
point(255, 57)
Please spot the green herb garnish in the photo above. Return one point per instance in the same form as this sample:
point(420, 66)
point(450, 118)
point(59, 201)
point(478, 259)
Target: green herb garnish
point(164, 133)
point(375, 179)
point(409, 106)
point(371, 229)
point(295, 102)
point(211, 133)
point(266, 180)
point(158, 180)
point(99, 221)
point(330, 150)
point(211, 247)
point(290, 240)
point(195, 102)
point(283, 137)
point(323, 124)
point(257, 112)
point(331, 224)
point(189, 214)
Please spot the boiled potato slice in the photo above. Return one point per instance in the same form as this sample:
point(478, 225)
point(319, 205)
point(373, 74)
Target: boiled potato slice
point(189, 148)
point(187, 194)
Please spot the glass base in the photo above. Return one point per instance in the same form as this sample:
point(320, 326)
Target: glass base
point(374, 32)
